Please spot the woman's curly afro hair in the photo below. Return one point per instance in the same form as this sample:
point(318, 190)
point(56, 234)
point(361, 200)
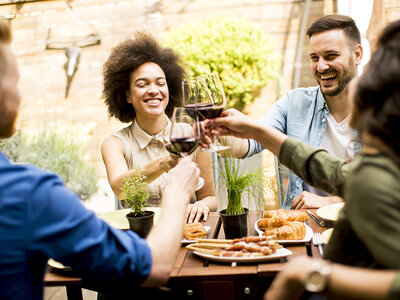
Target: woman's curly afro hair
point(128, 56)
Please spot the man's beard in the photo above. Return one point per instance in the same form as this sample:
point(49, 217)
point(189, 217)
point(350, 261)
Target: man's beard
point(345, 78)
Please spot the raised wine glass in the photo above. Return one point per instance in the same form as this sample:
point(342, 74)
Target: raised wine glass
point(184, 135)
point(190, 90)
point(211, 102)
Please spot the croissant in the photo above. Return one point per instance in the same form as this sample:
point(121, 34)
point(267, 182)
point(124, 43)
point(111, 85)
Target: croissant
point(193, 231)
point(290, 215)
point(291, 231)
point(273, 222)
point(296, 215)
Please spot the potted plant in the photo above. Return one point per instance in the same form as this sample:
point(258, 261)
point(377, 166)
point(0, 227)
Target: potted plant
point(237, 181)
point(136, 196)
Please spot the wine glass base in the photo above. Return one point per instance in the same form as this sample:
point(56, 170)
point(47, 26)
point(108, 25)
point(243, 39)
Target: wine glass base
point(215, 148)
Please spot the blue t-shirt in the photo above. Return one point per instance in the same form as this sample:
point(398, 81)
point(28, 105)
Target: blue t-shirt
point(41, 219)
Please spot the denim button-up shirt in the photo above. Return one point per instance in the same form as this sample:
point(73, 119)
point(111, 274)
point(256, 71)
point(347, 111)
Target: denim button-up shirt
point(300, 114)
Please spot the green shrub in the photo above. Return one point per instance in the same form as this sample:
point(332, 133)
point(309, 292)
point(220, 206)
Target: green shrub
point(235, 48)
point(57, 151)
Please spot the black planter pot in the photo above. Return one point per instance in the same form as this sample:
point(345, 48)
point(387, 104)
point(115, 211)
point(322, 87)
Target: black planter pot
point(141, 224)
point(235, 226)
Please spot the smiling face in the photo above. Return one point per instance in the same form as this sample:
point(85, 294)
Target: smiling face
point(148, 91)
point(10, 97)
point(333, 61)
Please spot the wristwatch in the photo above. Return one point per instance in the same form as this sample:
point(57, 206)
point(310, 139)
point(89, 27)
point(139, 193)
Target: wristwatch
point(317, 279)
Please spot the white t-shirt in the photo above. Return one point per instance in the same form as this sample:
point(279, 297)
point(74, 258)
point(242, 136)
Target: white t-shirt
point(338, 141)
point(338, 138)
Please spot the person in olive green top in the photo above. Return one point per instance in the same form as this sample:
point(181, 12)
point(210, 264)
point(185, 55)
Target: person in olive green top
point(367, 233)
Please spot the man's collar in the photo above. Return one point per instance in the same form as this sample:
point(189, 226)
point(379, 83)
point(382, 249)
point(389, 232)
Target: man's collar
point(321, 102)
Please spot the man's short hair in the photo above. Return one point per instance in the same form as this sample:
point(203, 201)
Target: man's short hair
point(5, 38)
point(329, 22)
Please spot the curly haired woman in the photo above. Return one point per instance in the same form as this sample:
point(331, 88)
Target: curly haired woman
point(142, 85)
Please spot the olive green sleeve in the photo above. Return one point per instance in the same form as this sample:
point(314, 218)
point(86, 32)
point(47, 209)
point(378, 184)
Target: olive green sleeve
point(394, 292)
point(313, 165)
point(374, 209)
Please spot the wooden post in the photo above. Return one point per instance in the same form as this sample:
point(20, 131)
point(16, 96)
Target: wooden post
point(377, 23)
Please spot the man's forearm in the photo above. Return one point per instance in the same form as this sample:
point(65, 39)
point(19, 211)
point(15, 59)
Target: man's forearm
point(238, 147)
point(270, 138)
point(164, 239)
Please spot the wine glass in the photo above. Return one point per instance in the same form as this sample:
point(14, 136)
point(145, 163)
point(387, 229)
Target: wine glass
point(211, 102)
point(185, 131)
point(189, 89)
point(184, 135)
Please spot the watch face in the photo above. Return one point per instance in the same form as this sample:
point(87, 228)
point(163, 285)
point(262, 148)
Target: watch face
point(315, 282)
point(316, 278)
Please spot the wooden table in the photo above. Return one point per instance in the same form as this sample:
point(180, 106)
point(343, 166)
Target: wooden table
point(195, 278)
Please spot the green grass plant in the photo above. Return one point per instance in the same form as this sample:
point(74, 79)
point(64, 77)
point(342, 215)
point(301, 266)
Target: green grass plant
point(237, 181)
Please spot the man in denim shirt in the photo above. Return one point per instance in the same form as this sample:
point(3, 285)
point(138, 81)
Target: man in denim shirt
point(318, 115)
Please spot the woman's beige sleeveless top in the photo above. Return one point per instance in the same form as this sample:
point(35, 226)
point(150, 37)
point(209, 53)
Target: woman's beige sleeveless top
point(141, 148)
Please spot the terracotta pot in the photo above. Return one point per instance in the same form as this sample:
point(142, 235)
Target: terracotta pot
point(235, 226)
point(141, 224)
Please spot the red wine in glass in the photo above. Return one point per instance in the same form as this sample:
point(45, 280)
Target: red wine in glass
point(184, 145)
point(206, 110)
point(171, 149)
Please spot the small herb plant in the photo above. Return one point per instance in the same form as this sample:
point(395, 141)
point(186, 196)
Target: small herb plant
point(135, 191)
point(238, 181)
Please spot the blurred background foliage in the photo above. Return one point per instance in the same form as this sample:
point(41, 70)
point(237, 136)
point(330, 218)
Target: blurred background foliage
point(59, 150)
point(236, 48)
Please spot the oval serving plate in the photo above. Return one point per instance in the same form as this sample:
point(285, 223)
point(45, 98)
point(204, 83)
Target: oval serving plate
point(280, 253)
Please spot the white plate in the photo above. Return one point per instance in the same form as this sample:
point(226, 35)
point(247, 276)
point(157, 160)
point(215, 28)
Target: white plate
point(118, 220)
point(330, 212)
point(186, 241)
point(326, 235)
point(57, 265)
point(307, 238)
point(280, 253)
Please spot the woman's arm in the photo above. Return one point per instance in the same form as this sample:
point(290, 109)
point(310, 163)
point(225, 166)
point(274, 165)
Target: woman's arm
point(207, 200)
point(113, 153)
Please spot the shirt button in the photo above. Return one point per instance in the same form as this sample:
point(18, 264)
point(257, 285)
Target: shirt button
point(323, 120)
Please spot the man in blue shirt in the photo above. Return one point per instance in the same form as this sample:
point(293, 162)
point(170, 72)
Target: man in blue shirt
point(317, 115)
point(41, 219)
